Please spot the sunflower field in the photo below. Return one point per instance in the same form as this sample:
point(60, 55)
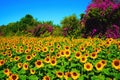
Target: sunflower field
point(59, 58)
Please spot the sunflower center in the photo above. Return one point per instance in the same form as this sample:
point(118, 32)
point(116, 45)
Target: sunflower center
point(9, 54)
point(82, 48)
point(20, 64)
point(53, 61)
point(60, 73)
point(6, 71)
point(77, 54)
point(83, 59)
point(32, 70)
point(62, 53)
point(103, 62)
point(88, 66)
point(47, 59)
point(27, 51)
point(14, 77)
point(45, 49)
point(16, 58)
point(28, 57)
point(107, 42)
point(67, 52)
point(4, 53)
point(93, 55)
point(29, 47)
point(74, 74)
point(58, 55)
point(67, 47)
point(116, 63)
point(47, 78)
point(26, 66)
point(69, 75)
point(38, 63)
point(86, 54)
point(2, 62)
point(98, 65)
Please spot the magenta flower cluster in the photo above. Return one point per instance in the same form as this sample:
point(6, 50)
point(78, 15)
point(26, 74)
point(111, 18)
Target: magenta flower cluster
point(102, 18)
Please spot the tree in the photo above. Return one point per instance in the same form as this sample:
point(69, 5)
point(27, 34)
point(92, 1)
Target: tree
point(27, 22)
point(69, 25)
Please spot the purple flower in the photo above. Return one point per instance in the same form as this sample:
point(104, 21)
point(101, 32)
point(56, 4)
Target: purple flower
point(50, 28)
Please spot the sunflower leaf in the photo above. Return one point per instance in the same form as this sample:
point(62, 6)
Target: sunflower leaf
point(23, 77)
point(117, 76)
point(33, 77)
point(106, 71)
point(81, 77)
point(22, 71)
point(1, 74)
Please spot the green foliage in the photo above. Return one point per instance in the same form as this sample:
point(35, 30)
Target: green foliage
point(57, 30)
point(71, 23)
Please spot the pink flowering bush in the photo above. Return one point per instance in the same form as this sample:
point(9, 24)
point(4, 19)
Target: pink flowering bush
point(100, 17)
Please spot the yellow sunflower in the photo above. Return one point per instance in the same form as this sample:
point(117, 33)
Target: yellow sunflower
point(58, 55)
point(10, 55)
point(78, 55)
point(47, 59)
point(17, 51)
point(62, 53)
point(6, 72)
point(16, 58)
point(99, 66)
point(97, 50)
point(21, 50)
point(20, 47)
point(44, 49)
point(37, 49)
point(53, 62)
point(27, 51)
point(2, 62)
point(11, 59)
point(4, 53)
point(88, 66)
point(86, 54)
point(83, 59)
point(38, 64)
point(32, 71)
point(28, 57)
point(108, 43)
point(75, 75)
point(33, 54)
point(51, 49)
point(82, 49)
point(53, 57)
point(59, 74)
point(116, 63)
point(104, 62)
point(93, 55)
point(58, 46)
point(66, 47)
point(19, 65)
point(25, 66)
point(46, 78)
point(67, 75)
point(67, 53)
point(13, 77)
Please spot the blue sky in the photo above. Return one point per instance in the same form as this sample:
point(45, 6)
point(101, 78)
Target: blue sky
point(43, 10)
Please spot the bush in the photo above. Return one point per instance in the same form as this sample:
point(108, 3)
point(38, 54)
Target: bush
point(100, 16)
